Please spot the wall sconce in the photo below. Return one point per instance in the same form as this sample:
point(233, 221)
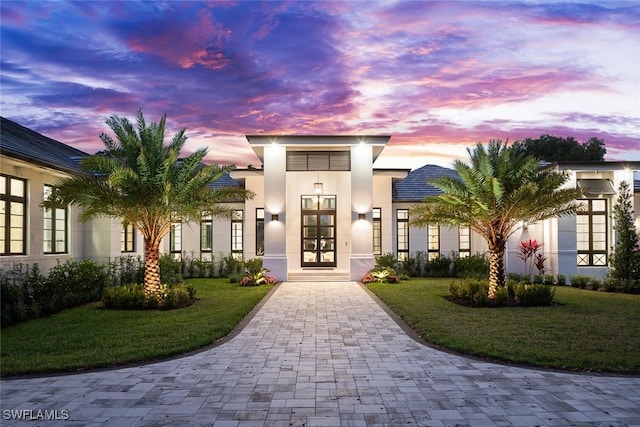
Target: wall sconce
point(317, 188)
point(275, 217)
point(362, 216)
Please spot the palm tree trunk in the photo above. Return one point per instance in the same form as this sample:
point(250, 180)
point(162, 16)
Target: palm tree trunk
point(152, 270)
point(496, 272)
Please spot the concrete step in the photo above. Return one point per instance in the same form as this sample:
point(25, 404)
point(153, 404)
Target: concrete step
point(319, 276)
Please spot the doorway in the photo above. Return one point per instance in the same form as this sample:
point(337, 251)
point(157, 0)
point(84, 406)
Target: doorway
point(318, 234)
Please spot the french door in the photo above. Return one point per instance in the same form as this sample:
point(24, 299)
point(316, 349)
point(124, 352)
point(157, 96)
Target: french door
point(318, 234)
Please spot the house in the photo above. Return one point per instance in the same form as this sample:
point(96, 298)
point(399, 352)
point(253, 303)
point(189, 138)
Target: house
point(321, 210)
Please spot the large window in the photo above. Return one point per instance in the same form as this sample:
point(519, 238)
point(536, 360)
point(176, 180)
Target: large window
point(464, 241)
point(175, 240)
point(591, 232)
point(433, 241)
point(13, 218)
point(127, 238)
point(318, 161)
point(55, 227)
point(237, 226)
point(259, 231)
point(402, 218)
point(206, 233)
point(377, 231)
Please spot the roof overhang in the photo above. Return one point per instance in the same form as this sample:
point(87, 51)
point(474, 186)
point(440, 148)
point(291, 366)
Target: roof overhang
point(317, 142)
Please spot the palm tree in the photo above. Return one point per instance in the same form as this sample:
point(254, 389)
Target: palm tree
point(499, 188)
point(145, 183)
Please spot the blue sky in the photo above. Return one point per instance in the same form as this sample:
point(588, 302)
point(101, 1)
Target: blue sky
point(437, 76)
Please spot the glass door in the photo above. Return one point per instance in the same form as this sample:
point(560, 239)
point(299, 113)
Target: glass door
point(318, 237)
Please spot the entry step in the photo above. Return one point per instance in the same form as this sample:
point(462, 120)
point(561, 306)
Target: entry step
point(319, 276)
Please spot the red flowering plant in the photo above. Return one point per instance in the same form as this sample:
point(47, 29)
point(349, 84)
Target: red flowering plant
point(528, 253)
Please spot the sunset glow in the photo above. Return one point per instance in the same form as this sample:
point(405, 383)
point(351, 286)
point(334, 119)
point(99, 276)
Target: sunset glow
point(437, 76)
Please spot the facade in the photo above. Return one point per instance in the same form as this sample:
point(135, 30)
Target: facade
point(321, 210)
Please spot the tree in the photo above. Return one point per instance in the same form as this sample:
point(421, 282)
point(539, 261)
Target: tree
point(499, 188)
point(553, 149)
point(143, 182)
point(625, 260)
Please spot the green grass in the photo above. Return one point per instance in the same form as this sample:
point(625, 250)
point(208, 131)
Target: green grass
point(590, 331)
point(91, 337)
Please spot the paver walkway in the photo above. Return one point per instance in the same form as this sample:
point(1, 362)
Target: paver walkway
point(325, 354)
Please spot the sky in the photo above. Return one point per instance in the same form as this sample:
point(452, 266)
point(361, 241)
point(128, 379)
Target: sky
point(438, 77)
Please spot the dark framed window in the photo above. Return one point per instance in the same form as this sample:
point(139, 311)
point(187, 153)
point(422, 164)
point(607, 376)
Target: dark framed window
point(237, 233)
point(591, 232)
point(318, 231)
point(402, 226)
point(433, 241)
point(55, 234)
point(175, 240)
point(259, 231)
point(464, 241)
point(318, 160)
point(206, 233)
point(13, 215)
point(127, 238)
point(377, 231)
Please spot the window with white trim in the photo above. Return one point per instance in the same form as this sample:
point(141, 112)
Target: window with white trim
point(433, 241)
point(206, 232)
point(54, 239)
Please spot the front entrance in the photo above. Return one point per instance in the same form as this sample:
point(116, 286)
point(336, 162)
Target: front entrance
point(318, 234)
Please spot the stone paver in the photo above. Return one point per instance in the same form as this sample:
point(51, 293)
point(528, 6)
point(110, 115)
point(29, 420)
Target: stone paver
point(323, 354)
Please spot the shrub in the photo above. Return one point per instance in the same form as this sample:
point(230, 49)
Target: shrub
point(561, 280)
point(170, 270)
point(578, 281)
point(387, 260)
point(255, 274)
point(473, 266)
point(549, 279)
point(534, 294)
point(126, 269)
point(439, 267)
point(475, 292)
point(517, 277)
point(131, 297)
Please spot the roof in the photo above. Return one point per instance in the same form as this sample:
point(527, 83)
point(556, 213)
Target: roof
point(224, 181)
point(25, 144)
point(415, 186)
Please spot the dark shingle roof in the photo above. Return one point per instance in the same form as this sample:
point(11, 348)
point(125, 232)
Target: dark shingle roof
point(414, 187)
point(225, 181)
point(22, 143)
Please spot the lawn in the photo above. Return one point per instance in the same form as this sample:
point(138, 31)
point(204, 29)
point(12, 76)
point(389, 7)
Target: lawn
point(588, 331)
point(91, 337)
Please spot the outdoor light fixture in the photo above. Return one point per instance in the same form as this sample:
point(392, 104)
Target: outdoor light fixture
point(275, 217)
point(317, 188)
point(362, 216)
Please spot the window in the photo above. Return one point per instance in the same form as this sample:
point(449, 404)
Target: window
point(433, 241)
point(236, 233)
point(175, 240)
point(13, 218)
point(464, 241)
point(402, 218)
point(591, 232)
point(55, 227)
point(318, 161)
point(259, 231)
point(377, 231)
point(206, 232)
point(127, 238)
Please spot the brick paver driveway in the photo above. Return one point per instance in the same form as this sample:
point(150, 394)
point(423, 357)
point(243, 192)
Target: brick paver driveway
point(324, 354)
